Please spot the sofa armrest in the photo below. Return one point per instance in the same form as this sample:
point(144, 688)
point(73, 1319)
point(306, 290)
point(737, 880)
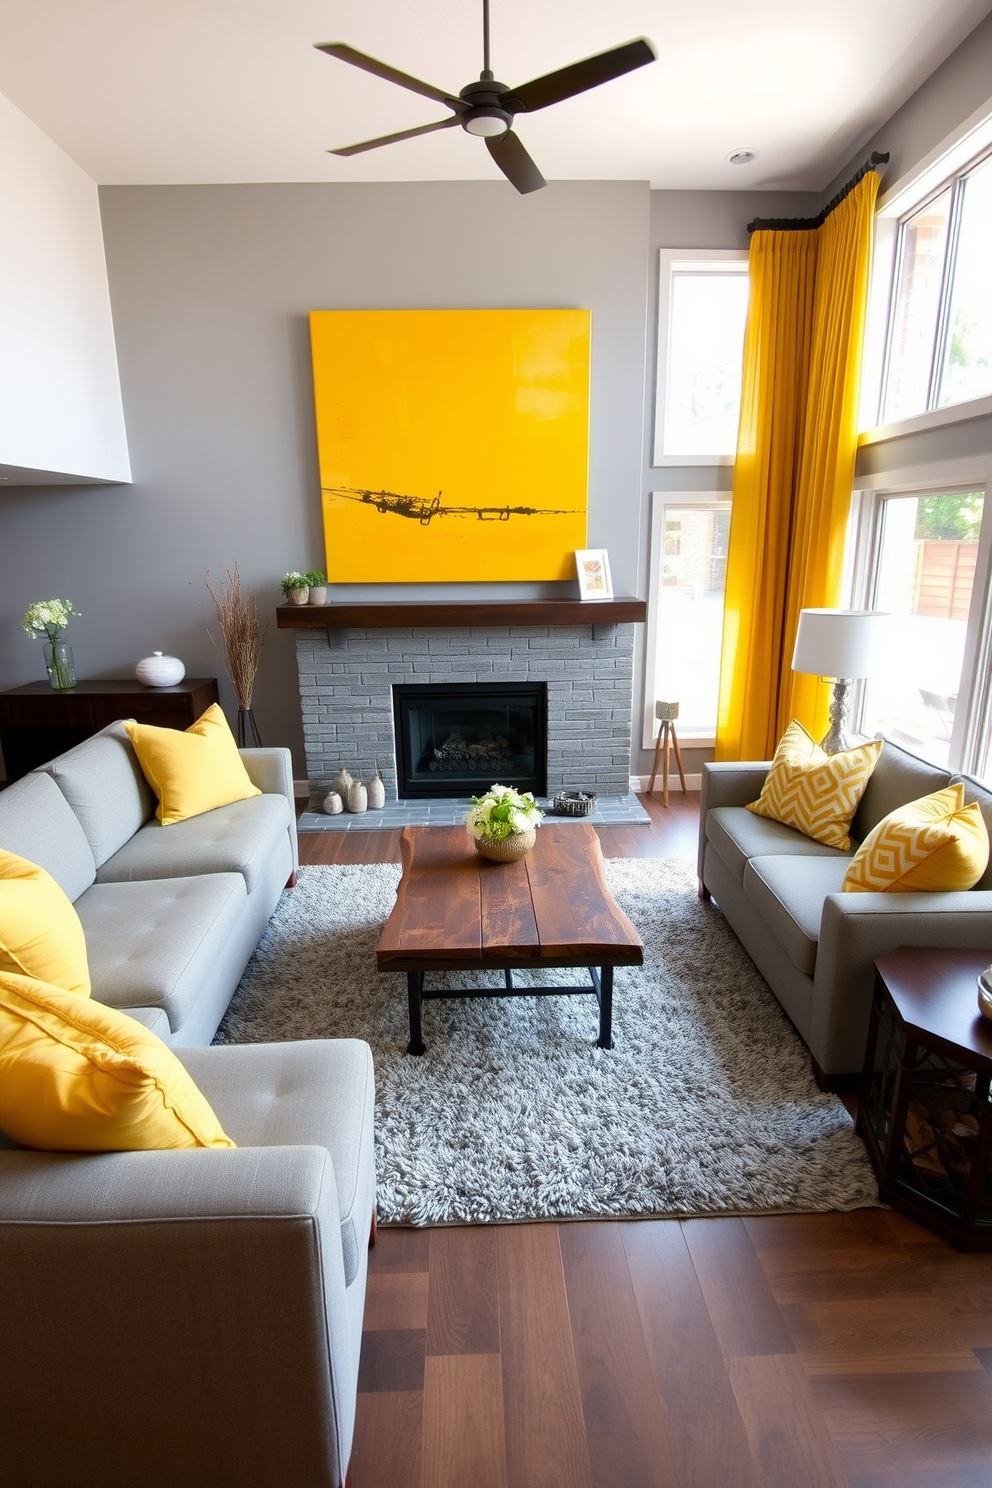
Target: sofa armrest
point(272, 771)
point(727, 783)
point(855, 929)
point(201, 1287)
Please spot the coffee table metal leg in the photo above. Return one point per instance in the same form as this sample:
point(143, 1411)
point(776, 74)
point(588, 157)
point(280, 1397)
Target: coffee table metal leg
point(414, 987)
point(605, 1040)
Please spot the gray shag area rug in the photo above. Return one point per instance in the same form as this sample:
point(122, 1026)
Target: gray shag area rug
point(705, 1105)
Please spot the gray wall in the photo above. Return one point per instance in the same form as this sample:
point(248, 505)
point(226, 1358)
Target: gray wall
point(210, 288)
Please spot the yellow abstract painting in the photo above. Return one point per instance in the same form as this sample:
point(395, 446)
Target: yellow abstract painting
point(453, 444)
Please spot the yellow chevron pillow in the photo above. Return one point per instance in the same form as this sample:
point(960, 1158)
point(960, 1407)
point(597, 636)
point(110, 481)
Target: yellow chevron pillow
point(815, 792)
point(935, 843)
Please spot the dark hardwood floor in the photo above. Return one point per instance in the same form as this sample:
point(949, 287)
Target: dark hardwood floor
point(799, 1351)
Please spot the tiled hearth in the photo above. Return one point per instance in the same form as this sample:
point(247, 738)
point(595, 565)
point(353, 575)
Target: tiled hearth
point(347, 673)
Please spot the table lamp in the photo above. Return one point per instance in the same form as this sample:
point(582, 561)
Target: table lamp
point(842, 646)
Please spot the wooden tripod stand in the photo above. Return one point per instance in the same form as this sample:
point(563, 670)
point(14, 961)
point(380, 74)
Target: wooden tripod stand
point(663, 744)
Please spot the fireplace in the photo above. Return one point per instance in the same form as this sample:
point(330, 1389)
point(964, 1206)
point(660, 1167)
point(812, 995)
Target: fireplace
point(454, 739)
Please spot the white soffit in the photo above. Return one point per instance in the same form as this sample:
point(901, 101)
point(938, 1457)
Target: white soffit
point(186, 91)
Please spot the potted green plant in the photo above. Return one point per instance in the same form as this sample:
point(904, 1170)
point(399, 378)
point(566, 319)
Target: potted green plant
point(316, 582)
point(504, 823)
point(49, 618)
point(295, 587)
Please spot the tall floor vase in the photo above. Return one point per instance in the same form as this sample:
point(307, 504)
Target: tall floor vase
point(61, 668)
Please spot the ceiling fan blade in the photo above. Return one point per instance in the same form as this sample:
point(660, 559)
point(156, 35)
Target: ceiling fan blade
point(516, 165)
point(390, 139)
point(578, 78)
point(345, 53)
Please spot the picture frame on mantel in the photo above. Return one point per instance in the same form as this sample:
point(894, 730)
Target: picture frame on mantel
point(592, 565)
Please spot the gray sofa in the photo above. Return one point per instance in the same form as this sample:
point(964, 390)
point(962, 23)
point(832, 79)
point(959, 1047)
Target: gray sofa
point(171, 914)
point(816, 947)
point(172, 1319)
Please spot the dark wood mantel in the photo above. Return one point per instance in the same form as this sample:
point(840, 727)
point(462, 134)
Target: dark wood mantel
point(383, 613)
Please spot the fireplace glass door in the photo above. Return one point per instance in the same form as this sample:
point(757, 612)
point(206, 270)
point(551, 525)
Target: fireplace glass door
point(458, 739)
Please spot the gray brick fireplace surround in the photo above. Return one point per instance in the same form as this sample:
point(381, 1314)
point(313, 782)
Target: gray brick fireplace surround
point(347, 676)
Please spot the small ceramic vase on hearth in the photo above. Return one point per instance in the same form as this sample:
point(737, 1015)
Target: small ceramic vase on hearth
point(333, 803)
point(376, 791)
point(357, 798)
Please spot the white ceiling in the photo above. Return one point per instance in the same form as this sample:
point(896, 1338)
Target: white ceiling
point(170, 91)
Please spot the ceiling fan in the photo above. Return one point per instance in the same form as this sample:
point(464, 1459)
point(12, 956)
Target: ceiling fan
point(487, 108)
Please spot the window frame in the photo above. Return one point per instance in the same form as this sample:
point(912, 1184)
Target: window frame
point(702, 500)
point(705, 260)
point(971, 735)
point(958, 155)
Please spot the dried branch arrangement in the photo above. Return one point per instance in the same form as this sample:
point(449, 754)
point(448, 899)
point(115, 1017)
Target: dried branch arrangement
point(242, 632)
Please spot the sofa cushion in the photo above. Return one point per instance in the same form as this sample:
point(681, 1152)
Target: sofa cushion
point(191, 770)
point(231, 839)
point(319, 1092)
point(789, 896)
point(37, 823)
point(40, 932)
point(737, 835)
point(79, 1077)
point(156, 944)
point(816, 792)
point(102, 781)
point(935, 845)
point(897, 778)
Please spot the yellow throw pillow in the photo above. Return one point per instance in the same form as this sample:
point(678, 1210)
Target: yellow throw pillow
point(76, 1076)
point(192, 771)
point(934, 844)
point(814, 792)
point(40, 933)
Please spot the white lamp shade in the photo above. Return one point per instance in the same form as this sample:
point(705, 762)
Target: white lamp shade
point(840, 643)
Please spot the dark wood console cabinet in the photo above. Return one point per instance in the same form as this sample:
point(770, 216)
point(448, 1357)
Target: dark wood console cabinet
point(37, 723)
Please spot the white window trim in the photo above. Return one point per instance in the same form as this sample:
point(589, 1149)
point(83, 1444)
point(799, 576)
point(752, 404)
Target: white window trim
point(900, 199)
point(659, 500)
point(702, 259)
point(972, 732)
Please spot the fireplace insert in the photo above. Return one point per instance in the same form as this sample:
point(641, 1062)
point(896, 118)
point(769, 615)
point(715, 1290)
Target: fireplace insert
point(457, 739)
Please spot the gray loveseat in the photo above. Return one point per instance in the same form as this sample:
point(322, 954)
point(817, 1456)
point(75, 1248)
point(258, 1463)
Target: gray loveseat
point(780, 892)
point(184, 1317)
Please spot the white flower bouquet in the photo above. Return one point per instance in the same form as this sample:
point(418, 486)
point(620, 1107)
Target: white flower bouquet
point(502, 812)
point(49, 618)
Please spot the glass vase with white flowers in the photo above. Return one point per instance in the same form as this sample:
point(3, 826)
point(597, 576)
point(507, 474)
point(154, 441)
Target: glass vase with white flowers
point(49, 618)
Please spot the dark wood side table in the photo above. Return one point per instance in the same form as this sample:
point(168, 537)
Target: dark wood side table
point(37, 723)
point(924, 1110)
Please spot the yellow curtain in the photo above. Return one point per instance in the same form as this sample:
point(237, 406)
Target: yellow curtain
point(794, 468)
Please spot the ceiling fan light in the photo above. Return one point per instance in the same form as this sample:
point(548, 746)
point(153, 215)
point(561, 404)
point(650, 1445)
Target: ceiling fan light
point(486, 121)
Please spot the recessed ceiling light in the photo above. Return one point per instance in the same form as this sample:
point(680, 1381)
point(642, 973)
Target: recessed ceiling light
point(741, 157)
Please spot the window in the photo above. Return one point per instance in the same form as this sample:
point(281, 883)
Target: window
point(702, 307)
point(928, 566)
point(939, 349)
point(689, 532)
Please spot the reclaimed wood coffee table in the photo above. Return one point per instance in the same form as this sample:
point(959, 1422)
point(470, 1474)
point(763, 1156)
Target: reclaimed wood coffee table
point(455, 911)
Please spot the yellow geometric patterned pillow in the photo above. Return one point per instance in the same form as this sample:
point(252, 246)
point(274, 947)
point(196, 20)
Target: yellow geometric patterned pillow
point(814, 792)
point(934, 844)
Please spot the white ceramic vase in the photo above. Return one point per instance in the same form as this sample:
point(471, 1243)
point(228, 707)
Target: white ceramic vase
point(333, 803)
point(358, 797)
point(376, 792)
point(160, 671)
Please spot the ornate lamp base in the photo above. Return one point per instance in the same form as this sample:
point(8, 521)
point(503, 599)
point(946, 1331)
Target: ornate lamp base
point(837, 738)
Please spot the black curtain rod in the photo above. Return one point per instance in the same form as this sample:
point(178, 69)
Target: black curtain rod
point(797, 224)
